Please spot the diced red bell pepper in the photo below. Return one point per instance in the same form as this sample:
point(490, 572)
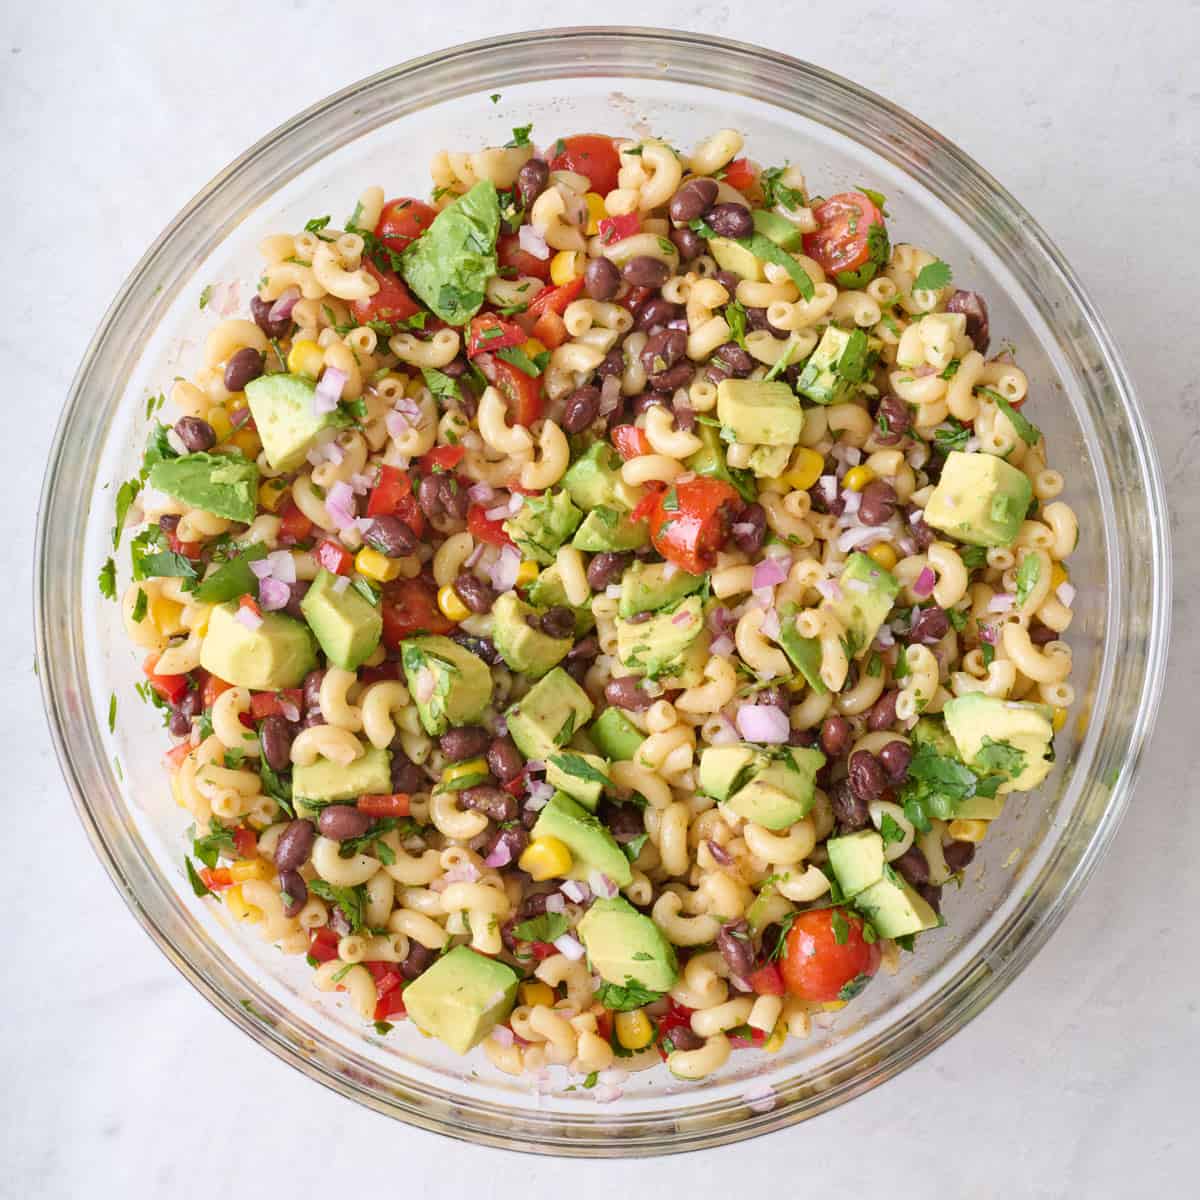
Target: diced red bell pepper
point(551, 330)
point(387, 977)
point(170, 687)
point(323, 944)
point(216, 878)
point(294, 526)
point(484, 529)
point(246, 841)
point(395, 805)
point(556, 299)
point(767, 980)
point(391, 1005)
point(630, 441)
point(516, 785)
point(543, 949)
point(392, 487)
point(739, 1041)
point(442, 458)
point(491, 333)
point(616, 229)
point(332, 557)
point(187, 549)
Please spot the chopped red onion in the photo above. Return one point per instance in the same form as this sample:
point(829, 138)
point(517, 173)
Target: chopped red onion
point(261, 569)
point(503, 1036)
point(273, 595)
point(770, 624)
point(406, 406)
point(475, 555)
point(283, 566)
point(467, 872)
point(290, 711)
point(481, 493)
point(340, 584)
point(500, 512)
point(281, 310)
point(852, 501)
point(248, 617)
point(906, 546)
point(533, 243)
point(857, 585)
point(339, 503)
point(606, 1093)
point(722, 645)
point(763, 723)
point(539, 795)
point(556, 902)
point(917, 516)
point(329, 391)
point(569, 946)
point(504, 569)
point(575, 891)
point(740, 984)
point(613, 591)
point(1066, 593)
point(500, 856)
point(535, 765)
point(851, 539)
point(601, 885)
point(1001, 602)
point(925, 583)
point(971, 445)
point(768, 573)
point(720, 619)
point(362, 482)
point(830, 589)
point(885, 637)
point(397, 424)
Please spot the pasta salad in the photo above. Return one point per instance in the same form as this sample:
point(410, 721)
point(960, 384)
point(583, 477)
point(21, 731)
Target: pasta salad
point(598, 611)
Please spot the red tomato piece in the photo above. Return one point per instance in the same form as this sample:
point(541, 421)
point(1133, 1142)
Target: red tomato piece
point(490, 333)
point(825, 952)
point(409, 511)
point(249, 602)
point(522, 392)
point(556, 299)
point(323, 945)
point(392, 487)
point(630, 441)
point(170, 687)
point(590, 154)
point(402, 221)
point(177, 754)
point(767, 980)
point(551, 330)
point(396, 805)
point(391, 1005)
point(616, 229)
point(272, 704)
point(442, 458)
point(510, 254)
point(483, 529)
point(187, 549)
point(740, 1040)
point(216, 878)
point(391, 303)
point(333, 557)
point(677, 1016)
point(294, 526)
point(516, 785)
point(645, 506)
point(843, 243)
point(543, 949)
point(740, 174)
point(245, 841)
point(408, 607)
point(691, 521)
point(212, 688)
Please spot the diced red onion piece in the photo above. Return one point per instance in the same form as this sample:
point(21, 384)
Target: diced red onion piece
point(533, 243)
point(575, 891)
point(906, 546)
point(281, 310)
point(827, 486)
point(760, 1097)
point(397, 424)
point(722, 645)
point(283, 566)
point(273, 595)
point(329, 391)
point(261, 569)
point(339, 503)
point(499, 513)
point(569, 946)
point(852, 539)
point(248, 617)
point(503, 1036)
point(481, 493)
point(504, 569)
point(987, 633)
point(682, 617)
point(669, 570)
point(770, 624)
point(768, 573)
point(475, 555)
point(1001, 602)
point(852, 501)
point(925, 583)
point(361, 483)
point(763, 723)
point(556, 903)
point(1066, 593)
point(885, 637)
point(830, 589)
point(719, 619)
point(613, 591)
point(500, 856)
point(606, 1093)
point(601, 885)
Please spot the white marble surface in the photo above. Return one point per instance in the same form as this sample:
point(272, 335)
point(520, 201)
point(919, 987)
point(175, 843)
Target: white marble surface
point(118, 1080)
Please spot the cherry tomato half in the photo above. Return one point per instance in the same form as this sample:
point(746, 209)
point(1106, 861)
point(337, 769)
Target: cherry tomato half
point(740, 174)
point(522, 392)
point(825, 952)
point(391, 303)
point(408, 607)
point(844, 242)
point(403, 221)
point(510, 254)
point(484, 529)
point(630, 441)
point(490, 333)
point(690, 522)
point(386, 495)
point(590, 154)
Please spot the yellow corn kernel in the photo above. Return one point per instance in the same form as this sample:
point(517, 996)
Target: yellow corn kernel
point(805, 471)
point(1058, 576)
point(239, 909)
point(248, 442)
point(774, 1043)
point(596, 211)
point(968, 831)
point(634, 1030)
point(796, 684)
point(1059, 719)
point(251, 868)
point(883, 554)
point(564, 266)
point(857, 478)
point(453, 609)
point(270, 493)
point(305, 358)
point(218, 418)
point(464, 770)
point(527, 572)
point(376, 566)
point(165, 616)
point(545, 858)
point(833, 1005)
point(533, 348)
point(534, 992)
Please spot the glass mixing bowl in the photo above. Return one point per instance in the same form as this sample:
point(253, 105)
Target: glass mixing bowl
point(681, 86)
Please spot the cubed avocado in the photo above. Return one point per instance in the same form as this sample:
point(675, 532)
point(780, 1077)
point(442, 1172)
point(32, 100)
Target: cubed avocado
point(769, 462)
point(836, 368)
point(760, 412)
point(709, 461)
point(654, 647)
point(782, 792)
point(607, 528)
point(542, 524)
point(724, 769)
point(283, 408)
point(856, 860)
point(346, 623)
point(688, 669)
point(548, 714)
point(594, 480)
point(1002, 737)
point(625, 947)
point(615, 735)
point(368, 775)
point(583, 777)
point(647, 587)
point(804, 652)
point(277, 654)
point(866, 592)
point(894, 908)
point(522, 647)
point(547, 591)
point(779, 229)
point(592, 847)
point(462, 997)
point(225, 485)
point(449, 684)
point(731, 256)
point(979, 499)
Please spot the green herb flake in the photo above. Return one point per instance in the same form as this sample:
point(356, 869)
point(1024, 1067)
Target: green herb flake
point(199, 889)
point(107, 579)
point(840, 926)
point(545, 928)
point(1027, 431)
point(1028, 574)
point(625, 999)
point(890, 830)
point(520, 136)
point(932, 277)
point(205, 297)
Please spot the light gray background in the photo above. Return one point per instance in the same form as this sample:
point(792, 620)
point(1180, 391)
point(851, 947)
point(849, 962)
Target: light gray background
point(116, 1079)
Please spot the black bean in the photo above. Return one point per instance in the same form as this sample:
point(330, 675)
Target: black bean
point(929, 625)
point(624, 821)
point(341, 821)
point(493, 802)
point(974, 307)
point(640, 618)
point(390, 536)
point(531, 180)
point(730, 220)
point(533, 904)
point(169, 522)
point(455, 368)
point(312, 688)
point(729, 280)
point(883, 712)
point(1040, 634)
point(601, 279)
point(418, 959)
point(878, 503)
point(584, 650)
point(733, 941)
point(681, 1037)
point(294, 892)
point(835, 736)
point(558, 622)
point(802, 737)
point(607, 567)
point(646, 401)
point(895, 757)
point(276, 737)
point(613, 363)
point(581, 409)
point(931, 895)
point(678, 376)
point(692, 200)
point(913, 865)
point(867, 776)
point(504, 759)
point(195, 434)
point(311, 717)
point(892, 419)
point(294, 845)
point(685, 416)
point(180, 724)
point(756, 318)
point(474, 593)
point(656, 311)
point(689, 244)
point(515, 837)
point(734, 360)
point(626, 692)
point(260, 310)
point(663, 349)
point(296, 592)
point(468, 741)
point(644, 271)
point(719, 853)
point(849, 811)
point(750, 541)
point(481, 647)
point(407, 777)
point(189, 706)
point(440, 494)
point(246, 364)
point(577, 668)
point(959, 855)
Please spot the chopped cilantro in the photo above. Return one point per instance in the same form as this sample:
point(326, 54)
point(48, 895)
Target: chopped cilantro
point(634, 848)
point(890, 830)
point(112, 712)
point(107, 579)
point(578, 768)
point(545, 928)
point(205, 297)
point(349, 900)
point(1027, 431)
point(140, 605)
point(932, 277)
point(125, 497)
point(495, 97)
point(973, 556)
point(1000, 757)
point(950, 435)
point(987, 652)
point(625, 999)
point(1028, 574)
point(854, 986)
point(840, 926)
point(198, 886)
point(519, 359)
point(520, 136)
point(776, 193)
point(876, 198)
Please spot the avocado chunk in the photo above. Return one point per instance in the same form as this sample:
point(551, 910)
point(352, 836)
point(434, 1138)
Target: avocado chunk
point(547, 716)
point(779, 229)
point(225, 485)
point(804, 652)
point(654, 647)
point(760, 413)
point(1004, 737)
point(278, 654)
point(709, 461)
point(724, 769)
point(615, 735)
point(547, 591)
point(647, 587)
point(625, 947)
point(688, 669)
point(449, 684)
point(592, 847)
point(607, 528)
point(594, 480)
point(368, 775)
point(894, 908)
point(522, 647)
point(856, 859)
point(769, 462)
point(347, 625)
point(836, 368)
point(542, 524)
point(284, 415)
point(866, 592)
point(781, 793)
point(980, 499)
point(462, 997)
point(583, 777)
point(732, 256)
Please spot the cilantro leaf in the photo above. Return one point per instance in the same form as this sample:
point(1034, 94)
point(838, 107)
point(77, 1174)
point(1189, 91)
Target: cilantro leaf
point(634, 848)
point(1028, 574)
point(140, 605)
point(890, 830)
point(439, 383)
point(205, 297)
point(625, 999)
point(545, 928)
point(840, 926)
point(233, 579)
point(208, 848)
point(125, 497)
point(158, 448)
point(851, 989)
point(578, 767)
point(1001, 757)
point(950, 435)
point(520, 137)
point(516, 355)
point(1027, 431)
point(349, 900)
point(876, 198)
point(199, 889)
point(932, 277)
point(762, 247)
point(776, 193)
point(735, 318)
point(973, 556)
point(107, 579)
point(167, 565)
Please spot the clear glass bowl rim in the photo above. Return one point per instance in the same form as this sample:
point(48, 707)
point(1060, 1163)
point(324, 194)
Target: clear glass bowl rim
point(696, 59)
